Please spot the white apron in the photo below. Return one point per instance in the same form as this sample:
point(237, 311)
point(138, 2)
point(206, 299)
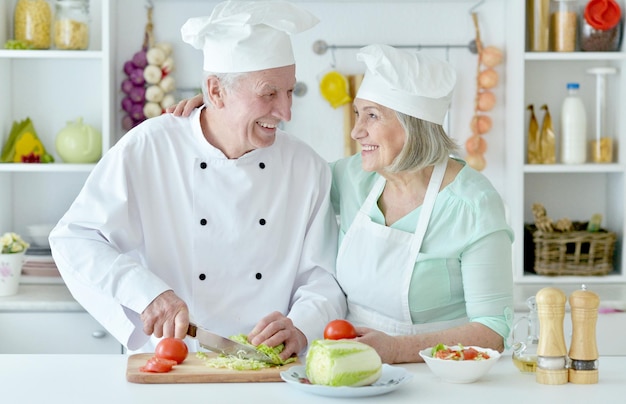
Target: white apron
point(375, 264)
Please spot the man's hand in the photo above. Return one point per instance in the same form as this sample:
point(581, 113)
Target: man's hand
point(275, 329)
point(166, 316)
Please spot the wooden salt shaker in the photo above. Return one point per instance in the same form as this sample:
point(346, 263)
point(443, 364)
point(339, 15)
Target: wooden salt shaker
point(583, 350)
point(551, 350)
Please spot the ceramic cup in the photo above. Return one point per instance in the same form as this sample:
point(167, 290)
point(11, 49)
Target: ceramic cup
point(10, 273)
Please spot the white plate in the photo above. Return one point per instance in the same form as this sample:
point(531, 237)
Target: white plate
point(391, 378)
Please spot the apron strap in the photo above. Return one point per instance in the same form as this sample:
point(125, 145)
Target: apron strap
point(372, 197)
point(434, 184)
point(427, 207)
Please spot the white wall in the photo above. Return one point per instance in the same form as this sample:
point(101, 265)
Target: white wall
point(346, 23)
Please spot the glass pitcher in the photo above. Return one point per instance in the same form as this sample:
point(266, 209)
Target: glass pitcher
point(526, 339)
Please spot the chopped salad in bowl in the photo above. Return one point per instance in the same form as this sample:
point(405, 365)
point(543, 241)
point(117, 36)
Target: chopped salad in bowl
point(459, 364)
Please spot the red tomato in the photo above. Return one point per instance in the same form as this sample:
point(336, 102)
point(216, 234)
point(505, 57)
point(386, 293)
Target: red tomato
point(158, 365)
point(339, 329)
point(172, 348)
point(470, 354)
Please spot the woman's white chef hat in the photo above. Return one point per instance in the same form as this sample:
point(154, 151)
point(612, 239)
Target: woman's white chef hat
point(409, 82)
point(245, 36)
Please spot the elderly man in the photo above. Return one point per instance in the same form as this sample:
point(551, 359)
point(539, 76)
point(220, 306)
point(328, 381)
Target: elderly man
point(219, 217)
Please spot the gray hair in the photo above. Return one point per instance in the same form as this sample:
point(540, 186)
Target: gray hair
point(426, 144)
point(228, 81)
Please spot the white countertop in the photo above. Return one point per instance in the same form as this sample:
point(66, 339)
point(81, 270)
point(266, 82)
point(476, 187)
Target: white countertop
point(612, 295)
point(40, 297)
point(56, 296)
point(98, 379)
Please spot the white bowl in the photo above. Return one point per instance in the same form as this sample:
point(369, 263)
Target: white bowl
point(38, 234)
point(467, 371)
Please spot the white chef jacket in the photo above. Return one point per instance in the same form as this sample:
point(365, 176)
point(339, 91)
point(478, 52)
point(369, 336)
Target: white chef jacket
point(236, 239)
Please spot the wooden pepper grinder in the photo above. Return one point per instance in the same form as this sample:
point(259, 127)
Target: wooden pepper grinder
point(551, 350)
point(583, 350)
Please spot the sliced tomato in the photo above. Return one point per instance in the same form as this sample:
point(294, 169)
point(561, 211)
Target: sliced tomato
point(447, 354)
point(158, 365)
point(469, 354)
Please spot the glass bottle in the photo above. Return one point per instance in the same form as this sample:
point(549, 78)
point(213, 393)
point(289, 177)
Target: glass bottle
point(538, 25)
point(526, 339)
point(32, 22)
point(573, 127)
point(71, 24)
point(563, 25)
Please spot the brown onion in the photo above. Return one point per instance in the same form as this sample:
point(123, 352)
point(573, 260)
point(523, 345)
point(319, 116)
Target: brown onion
point(488, 78)
point(486, 101)
point(475, 144)
point(480, 124)
point(491, 56)
point(476, 161)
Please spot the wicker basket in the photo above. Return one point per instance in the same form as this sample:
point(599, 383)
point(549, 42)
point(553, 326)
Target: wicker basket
point(578, 252)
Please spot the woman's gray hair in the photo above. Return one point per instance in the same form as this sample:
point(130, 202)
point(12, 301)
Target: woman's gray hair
point(228, 81)
point(426, 144)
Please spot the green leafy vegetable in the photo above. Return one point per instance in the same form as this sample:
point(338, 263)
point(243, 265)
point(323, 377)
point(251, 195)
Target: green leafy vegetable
point(436, 348)
point(239, 363)
point(232, 362)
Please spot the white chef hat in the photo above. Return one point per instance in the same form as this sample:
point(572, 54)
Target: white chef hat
point(407, 81)
point(245, 36)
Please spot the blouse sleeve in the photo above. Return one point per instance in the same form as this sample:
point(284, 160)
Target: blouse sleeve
point(488, 282)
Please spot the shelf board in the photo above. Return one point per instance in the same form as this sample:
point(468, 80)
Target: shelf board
point(50, 54)
point(45, 168)
point(574, 56)
point(573, 168)
point(611, 278)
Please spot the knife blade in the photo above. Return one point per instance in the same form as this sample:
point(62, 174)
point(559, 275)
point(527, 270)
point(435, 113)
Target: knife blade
point(219, 344)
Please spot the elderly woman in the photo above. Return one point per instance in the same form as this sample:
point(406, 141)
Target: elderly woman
point(425, 250)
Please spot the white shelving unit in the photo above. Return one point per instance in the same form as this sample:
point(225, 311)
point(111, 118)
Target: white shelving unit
point(572, 191)
point(52, 87)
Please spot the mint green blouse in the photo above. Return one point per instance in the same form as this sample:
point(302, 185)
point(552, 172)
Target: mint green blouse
point(464, 268)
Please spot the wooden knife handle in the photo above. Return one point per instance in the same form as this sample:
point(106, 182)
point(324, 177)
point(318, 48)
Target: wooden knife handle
point(191, 330)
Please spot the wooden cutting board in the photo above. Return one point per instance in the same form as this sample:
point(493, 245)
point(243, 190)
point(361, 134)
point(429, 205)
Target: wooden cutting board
point(194, 370)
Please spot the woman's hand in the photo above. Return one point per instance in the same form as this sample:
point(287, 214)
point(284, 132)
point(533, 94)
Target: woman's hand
point(405, 348)
point(275, 329)
point(185, 106)
point(384, 344)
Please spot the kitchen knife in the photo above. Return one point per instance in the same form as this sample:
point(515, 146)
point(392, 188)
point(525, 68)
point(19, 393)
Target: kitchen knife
point(219, 344)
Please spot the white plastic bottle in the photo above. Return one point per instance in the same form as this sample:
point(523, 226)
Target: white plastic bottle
point(573, 128)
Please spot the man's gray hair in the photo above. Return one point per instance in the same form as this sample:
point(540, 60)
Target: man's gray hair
point(228, 81)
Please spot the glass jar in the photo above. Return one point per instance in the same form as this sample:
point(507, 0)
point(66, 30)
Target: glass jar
point(602, 143)
point(601, 26)
point(71, 24)
point(563, 25)
point(32, 23)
